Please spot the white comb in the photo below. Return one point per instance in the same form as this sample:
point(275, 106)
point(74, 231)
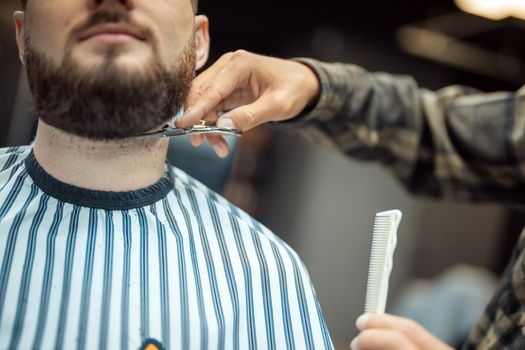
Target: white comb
point(384, 240)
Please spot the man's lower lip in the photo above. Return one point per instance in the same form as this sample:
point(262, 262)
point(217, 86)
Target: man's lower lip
point(112, 38)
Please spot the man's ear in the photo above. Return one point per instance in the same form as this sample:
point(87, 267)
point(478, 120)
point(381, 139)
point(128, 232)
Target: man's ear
point(19, 18)
point(202, 40)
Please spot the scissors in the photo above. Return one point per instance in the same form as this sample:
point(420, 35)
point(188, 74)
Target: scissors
point(202, 128)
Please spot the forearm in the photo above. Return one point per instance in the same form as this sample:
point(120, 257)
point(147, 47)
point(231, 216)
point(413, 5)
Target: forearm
point(453, 143)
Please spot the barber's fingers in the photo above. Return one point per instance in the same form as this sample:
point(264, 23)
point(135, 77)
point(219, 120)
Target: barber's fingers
point(249, 116)
point(201, 81)
point(422, 338)
point(241, 96)
point(210, 91)
point(383, 339)
point(196, 140)
point(219, 144)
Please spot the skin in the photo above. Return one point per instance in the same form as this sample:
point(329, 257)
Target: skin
point(123, 165)
point(255, 90)
point(388, 332)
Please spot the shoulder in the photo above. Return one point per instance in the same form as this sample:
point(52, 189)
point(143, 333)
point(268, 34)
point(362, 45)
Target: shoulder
point(248, 227)
point(10, 156)
point(263, 259)
point(7, 151)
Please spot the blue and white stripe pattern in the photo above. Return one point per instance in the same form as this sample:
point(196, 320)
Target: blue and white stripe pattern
point(189, 271)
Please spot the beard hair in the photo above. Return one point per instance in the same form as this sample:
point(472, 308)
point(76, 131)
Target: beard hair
point(108, 103)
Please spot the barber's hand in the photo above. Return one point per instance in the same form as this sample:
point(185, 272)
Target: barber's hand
point(387, 332)
point(251, 89)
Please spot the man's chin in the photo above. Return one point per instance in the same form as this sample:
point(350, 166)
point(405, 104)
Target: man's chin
point(112, 58)
point(108, 97)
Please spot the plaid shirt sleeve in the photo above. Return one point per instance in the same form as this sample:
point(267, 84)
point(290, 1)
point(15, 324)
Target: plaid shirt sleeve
point(455, 143)
point(502, 324)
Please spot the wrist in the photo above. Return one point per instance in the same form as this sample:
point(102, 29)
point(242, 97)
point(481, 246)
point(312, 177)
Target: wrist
point(315, 99)
point(312, 88)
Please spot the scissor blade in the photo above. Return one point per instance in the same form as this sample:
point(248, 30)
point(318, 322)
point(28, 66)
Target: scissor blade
point(166, 132)
point(213, 130)
point(172, 132)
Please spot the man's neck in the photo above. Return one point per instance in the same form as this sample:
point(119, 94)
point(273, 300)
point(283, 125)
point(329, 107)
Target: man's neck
point(116, 166)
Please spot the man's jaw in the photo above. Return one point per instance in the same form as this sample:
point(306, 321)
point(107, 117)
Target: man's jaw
point(102, 147)
point(102, 97)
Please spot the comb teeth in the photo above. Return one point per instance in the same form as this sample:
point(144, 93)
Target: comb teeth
point(383, 245)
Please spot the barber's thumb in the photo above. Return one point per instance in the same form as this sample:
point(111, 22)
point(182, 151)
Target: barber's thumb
point(236, 119)
point(242, 118)
point(226, 123)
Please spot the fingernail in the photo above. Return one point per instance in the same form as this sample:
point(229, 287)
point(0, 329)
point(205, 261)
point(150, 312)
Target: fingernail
point(226, 123)
point(220, 151)
point(195, 142)
point(361, 321)
point(353, 344)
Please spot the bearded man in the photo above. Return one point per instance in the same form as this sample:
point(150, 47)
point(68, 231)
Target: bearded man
point(103, 245)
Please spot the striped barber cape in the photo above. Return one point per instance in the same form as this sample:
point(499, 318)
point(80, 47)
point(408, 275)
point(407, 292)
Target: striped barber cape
point(172, 266)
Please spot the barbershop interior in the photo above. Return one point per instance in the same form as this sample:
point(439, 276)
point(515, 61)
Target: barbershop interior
point(449, 255)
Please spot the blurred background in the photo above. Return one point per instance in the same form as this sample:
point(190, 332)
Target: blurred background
point(322, 203)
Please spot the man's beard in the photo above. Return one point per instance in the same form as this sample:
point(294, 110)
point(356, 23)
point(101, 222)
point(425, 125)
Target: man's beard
point(107, 102)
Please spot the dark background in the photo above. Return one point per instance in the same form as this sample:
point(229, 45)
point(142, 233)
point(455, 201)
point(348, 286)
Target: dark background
point(294, 28)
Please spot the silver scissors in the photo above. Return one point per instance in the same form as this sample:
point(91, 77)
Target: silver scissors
point(199, 129)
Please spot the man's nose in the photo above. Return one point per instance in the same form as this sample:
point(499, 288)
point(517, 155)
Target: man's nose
point(97, 4)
